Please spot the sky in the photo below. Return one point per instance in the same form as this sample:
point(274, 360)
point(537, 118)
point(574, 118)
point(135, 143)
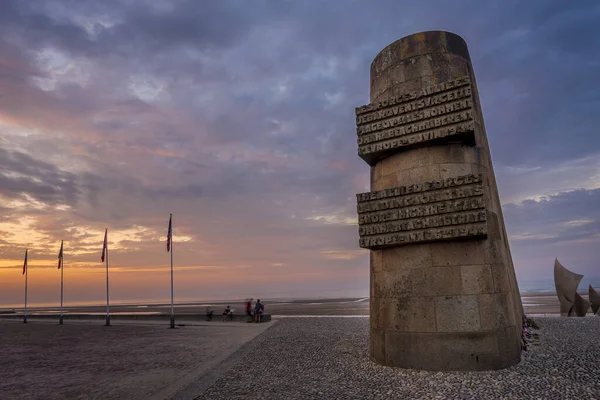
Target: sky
point(238, 118)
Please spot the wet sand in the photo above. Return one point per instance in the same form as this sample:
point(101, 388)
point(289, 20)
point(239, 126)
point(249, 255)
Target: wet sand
point(533, 304)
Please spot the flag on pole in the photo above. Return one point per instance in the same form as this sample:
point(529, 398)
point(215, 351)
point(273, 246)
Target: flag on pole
point(25, 263)
point(104, 246)
point(169, 233)
point(60, 255)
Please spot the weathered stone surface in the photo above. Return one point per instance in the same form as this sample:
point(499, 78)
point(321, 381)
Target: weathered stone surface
point(476, 279)
point(444, 294)
point(495, 311)
point(436, 281)
point(447, 351)
point(410, 314)
point(392, 283)
point(457, 314)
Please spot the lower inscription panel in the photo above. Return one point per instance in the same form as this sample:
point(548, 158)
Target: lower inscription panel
point(452, 208)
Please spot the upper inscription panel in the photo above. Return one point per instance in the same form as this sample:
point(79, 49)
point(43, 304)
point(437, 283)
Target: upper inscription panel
point(452, 208)
point(414, 119)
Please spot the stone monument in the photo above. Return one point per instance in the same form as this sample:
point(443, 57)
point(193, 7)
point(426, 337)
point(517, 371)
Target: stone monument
point(566, 283)
point(594, 300)
point(444, 295)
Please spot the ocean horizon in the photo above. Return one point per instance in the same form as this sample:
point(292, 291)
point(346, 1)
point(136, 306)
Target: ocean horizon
point(160, 303)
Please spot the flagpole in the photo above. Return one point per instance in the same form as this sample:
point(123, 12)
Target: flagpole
point(172, 308)
point(62, 268)
point(26, 272)
point(107, 303)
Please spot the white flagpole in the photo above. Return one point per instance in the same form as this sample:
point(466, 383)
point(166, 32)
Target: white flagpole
point(172, 307)
point(107, 303)
point(62, 268)
point(26, 272)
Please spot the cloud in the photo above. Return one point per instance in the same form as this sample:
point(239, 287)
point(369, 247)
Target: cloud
point(562, 217)
point(239, 120)
point(564, 226)
point(24, 178)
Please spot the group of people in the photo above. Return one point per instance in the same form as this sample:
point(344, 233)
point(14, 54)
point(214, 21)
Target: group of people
point(254, 313)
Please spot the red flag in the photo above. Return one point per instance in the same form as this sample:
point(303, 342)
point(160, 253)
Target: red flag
point(104, 246)
point(169, 233)
point(25, 263)
point(60, 255)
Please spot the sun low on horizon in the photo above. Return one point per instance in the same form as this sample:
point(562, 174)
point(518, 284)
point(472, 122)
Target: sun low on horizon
point(239, 119)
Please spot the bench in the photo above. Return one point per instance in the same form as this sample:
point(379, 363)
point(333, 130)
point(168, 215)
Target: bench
point(237, 317)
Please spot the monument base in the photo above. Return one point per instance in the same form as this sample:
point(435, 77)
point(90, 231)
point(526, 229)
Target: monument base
point(446, 352)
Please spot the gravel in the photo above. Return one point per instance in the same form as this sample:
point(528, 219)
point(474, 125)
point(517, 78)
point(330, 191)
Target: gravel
point(328, 358)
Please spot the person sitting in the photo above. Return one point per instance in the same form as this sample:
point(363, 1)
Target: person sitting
point(258, 311)
point(227, 312)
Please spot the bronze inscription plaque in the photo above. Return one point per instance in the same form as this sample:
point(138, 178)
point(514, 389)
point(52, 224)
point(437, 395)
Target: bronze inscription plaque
point(417, 118)
point(452, 208)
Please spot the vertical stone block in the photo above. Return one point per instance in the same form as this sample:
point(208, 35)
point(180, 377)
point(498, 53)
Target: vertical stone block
point(436, 281)
point(476, 279)
point(411, 314)
point(457, 314)
point(496, 310)
point(377, 344)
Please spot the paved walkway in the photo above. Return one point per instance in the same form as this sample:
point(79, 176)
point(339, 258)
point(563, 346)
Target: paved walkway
point(128, 360)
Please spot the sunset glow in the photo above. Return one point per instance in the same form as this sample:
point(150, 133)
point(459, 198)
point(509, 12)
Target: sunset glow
point(240, 122)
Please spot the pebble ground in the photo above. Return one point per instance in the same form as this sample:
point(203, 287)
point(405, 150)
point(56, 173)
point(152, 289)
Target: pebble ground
point(328, 358)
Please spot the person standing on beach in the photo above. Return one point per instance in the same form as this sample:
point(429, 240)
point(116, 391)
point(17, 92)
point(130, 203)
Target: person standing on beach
point(249, 309)
point(258, 310)
point(226, 313)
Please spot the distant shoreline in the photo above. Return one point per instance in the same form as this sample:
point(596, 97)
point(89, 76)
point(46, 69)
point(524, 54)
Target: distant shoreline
point(199, 303)
point(543, 302)
point(294, 300)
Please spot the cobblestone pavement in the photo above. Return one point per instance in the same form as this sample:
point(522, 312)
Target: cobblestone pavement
point(327, 358)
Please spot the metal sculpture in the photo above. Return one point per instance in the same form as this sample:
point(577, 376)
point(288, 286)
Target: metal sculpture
point(594, 300)
point(566, 283)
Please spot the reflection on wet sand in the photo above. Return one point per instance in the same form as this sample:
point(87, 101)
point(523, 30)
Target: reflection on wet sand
point(533, 303)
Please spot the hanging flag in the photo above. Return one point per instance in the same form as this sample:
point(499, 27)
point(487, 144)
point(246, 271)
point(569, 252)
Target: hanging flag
point(60, 255)
point(169, 233)
point(25, 263)
point(104, 246)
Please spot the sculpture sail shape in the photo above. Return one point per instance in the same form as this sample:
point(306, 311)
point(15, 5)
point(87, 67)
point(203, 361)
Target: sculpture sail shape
point(566, 283)
point(581, 306)
point(594, 300)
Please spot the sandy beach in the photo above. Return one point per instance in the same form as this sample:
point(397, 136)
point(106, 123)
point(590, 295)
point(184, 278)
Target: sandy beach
point(545, 303)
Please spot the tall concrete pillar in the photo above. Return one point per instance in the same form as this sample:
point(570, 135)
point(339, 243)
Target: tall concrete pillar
point(444, 295)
